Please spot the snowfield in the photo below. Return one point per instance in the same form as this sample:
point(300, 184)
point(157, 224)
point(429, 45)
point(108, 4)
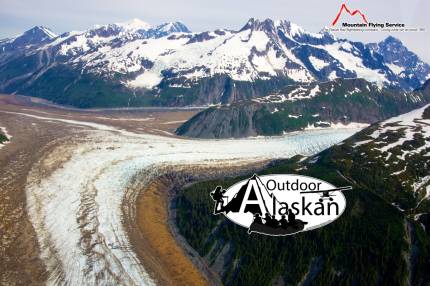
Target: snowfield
point(260, 50)
point(77, 210)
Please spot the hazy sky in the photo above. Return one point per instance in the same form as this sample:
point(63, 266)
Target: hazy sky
point(200, 15)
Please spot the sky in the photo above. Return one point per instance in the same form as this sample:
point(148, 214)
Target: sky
point(17, 16)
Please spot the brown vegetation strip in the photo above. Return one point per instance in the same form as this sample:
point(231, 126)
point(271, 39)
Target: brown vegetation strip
point(158, 248)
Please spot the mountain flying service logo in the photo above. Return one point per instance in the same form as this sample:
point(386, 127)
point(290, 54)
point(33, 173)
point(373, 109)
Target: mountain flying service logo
point(350, 20)
point(345, 9)
point(280, 205)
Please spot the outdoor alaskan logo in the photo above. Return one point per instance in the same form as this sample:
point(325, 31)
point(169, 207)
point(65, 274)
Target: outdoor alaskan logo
point(280, 204)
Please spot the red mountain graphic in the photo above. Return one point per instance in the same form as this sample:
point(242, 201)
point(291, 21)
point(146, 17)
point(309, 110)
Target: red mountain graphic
point(353, 13)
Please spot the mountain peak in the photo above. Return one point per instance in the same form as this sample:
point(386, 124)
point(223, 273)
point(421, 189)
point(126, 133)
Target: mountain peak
point(258, 25)
point(293, 30)
point(269, 24)
point(392, 40)
point(40, 31)
point(132, 27)
point(134, 24)
point(34, 36)
point(173, 27)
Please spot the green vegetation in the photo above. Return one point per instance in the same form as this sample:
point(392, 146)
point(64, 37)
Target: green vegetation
point(3, 138)
point(365, 106)
point(340, 101)
point(72, 85)
point(367, 245)
point(212, 90)
point(65, 86)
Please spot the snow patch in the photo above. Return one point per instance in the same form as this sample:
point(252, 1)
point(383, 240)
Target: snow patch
point(316, 90)
point(395, 68)
point(317, 63)
point(146, 80)
point(364, 142)
point(294, 116)
point(339, 125)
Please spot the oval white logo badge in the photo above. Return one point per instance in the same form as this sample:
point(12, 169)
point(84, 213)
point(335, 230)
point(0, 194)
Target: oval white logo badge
point(280, 204)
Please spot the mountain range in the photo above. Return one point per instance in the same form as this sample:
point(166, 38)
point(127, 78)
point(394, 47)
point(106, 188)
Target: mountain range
point(136, 64)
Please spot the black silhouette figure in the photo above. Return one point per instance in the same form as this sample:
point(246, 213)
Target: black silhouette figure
point(271, 220)
point(292, 218)
point(268, 219)
point(257, 218)
point(218, 196)
point(274, 227)
point(283, 222)
point(236, 202)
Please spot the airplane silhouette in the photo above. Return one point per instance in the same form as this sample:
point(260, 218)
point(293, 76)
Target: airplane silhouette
point(326, 194)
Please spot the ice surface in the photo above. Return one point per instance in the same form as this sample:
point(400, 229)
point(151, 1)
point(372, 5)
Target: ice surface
point(77, 210)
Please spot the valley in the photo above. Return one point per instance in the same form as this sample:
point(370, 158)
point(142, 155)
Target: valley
point(72, 179)
point(112, 138)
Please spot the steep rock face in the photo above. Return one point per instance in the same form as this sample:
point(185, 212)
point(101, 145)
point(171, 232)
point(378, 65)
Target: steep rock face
point(331, 104)
point(134, 63)
point(222, 122)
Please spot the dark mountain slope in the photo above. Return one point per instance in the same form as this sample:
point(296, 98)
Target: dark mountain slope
point(336, 103)
point(383, 237)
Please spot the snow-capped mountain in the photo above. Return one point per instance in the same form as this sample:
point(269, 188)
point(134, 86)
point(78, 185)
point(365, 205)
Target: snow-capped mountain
point(134, 63)
point(404, 63)
point(82, 46)
point(32, 38)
